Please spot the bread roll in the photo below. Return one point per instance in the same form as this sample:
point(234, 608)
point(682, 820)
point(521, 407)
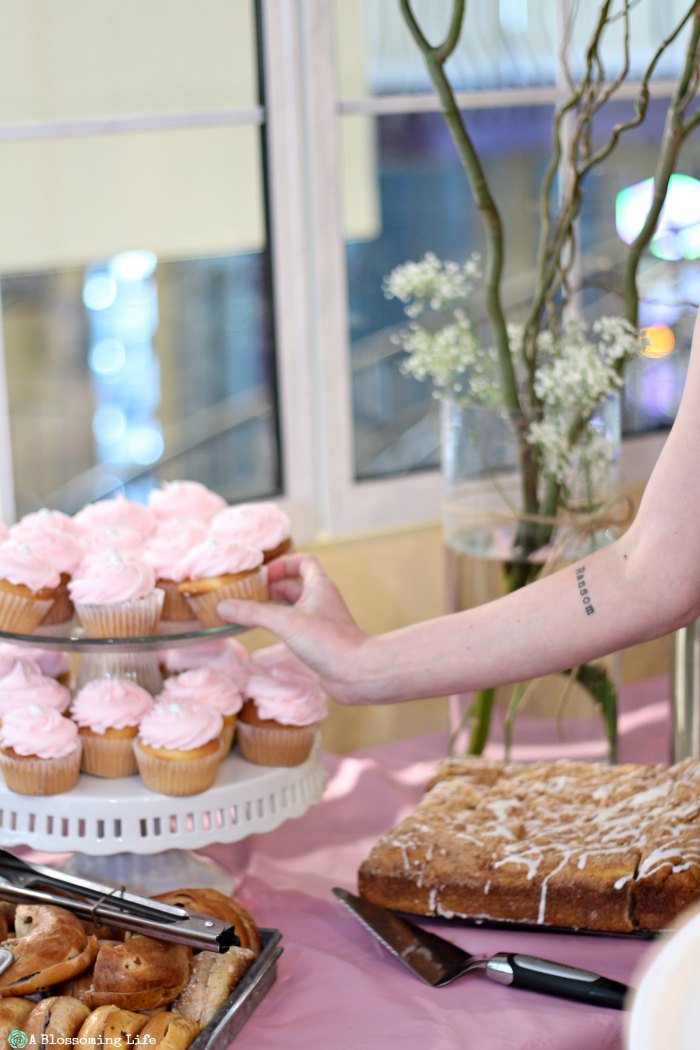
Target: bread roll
point(169, 1031)
point(58, 1018)
point(212, 979)
point(50, 946)
point(208, 901)
point(13, 1013)
point(138, 974)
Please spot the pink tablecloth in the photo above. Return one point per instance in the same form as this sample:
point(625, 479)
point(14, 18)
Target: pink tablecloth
point(338, 989)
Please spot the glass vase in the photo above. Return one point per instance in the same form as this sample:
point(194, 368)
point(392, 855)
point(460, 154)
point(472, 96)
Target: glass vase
point(494, 546)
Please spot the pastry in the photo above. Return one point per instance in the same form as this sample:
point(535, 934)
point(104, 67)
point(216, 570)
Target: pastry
point(108, 712)
point(25, 685)
point(178, 748)
point(60, 549)
point(213, 571)
point(111, 1026)
point(169, 1030)
point(118, 511)
point(214, 688)
point(217, 905)
point(189, 500)
point(49, 946)
point(219, 654)
point(260, 525)
point(163, 550)
point(569, 844)
point(115, 596)
point(211, 982)
point(39, 750)
point(14, 1012)
point(28, 588)
point(277, 724)
point(57, 1019)
point(139, 973)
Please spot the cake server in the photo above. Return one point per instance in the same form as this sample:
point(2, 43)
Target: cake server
point(437, 961)
point(25, 883)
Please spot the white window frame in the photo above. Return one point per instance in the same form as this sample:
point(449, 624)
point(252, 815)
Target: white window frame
point(302, 114)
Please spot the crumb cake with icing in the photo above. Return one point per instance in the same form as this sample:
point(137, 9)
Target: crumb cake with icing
point(567, 844)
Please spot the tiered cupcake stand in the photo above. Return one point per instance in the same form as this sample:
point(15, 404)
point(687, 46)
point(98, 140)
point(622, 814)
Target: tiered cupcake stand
point(118, 831)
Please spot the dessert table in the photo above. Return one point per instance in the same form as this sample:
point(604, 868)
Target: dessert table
point(338, 989)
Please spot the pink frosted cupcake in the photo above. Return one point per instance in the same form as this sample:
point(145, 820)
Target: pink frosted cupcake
point(220, 654)
point(163, 550)
point(39, 751)
point(63, 551)
point(108, 712)
point(185, 499)
point(213, 571)
point(24, 684)
point(28, 588)
point(54, 663)
point(210, 687)
point(178, 748)
point(278, 723)
point(116, 597)
point(262, 526)
point(120, 538)
point(118, 512)
point(55, 519)
point(4, 532)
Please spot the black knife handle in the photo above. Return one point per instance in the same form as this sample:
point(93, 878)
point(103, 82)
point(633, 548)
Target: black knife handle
point(551, 978)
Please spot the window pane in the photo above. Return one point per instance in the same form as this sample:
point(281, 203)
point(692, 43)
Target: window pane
point(504, 44)
point(99, 58)
point(424, 204)
point(112, 366)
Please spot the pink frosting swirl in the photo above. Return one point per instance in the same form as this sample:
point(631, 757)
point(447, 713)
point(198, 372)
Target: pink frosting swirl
point(212, 558)
point(54, 545)
point(221, 654)
point(56, 519)
point(113, 537)
point(4, 531)
point(261, 525)
point(51, 662)
point(208, 686)
point(180, 725)
point(289, 698)
point(171, 542)
point(185, 499)
point(21, 566)
point(110, 703)
point(16, 654)
point(119, 512)
point(38, 730)
point(25, 684)
point(112, 577)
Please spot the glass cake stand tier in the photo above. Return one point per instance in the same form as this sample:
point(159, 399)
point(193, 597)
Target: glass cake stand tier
point(70, 637)
point(108, 816)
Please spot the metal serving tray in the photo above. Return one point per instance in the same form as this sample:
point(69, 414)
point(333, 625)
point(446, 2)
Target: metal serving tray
point(253, 986)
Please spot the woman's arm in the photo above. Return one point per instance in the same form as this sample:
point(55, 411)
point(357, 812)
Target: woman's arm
point(644, 585)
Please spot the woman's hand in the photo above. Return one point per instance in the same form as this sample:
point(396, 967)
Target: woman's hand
point(313, 621)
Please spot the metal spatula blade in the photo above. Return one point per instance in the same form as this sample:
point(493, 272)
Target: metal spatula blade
point(437, 961)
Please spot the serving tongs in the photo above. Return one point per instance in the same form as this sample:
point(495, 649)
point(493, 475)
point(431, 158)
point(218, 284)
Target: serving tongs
point(25, 883)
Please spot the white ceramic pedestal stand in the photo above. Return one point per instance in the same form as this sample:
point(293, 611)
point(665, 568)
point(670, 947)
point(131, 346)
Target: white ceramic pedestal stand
point(120, 833)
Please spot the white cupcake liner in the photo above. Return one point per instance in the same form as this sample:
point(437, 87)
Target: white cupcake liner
point(105, 756)
point(40, 776)
point(176, 776)
point(276, 745)
point(136, 619)
point(20, 614)
point(252, 586)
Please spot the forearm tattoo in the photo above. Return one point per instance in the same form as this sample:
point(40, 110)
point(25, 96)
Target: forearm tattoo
point(583, 590)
